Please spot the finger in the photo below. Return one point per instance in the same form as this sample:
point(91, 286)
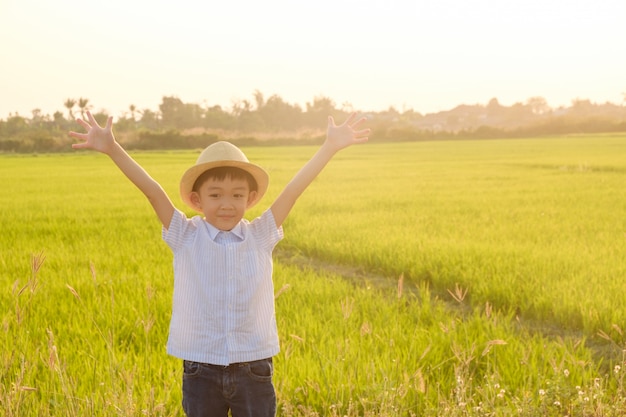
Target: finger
point(361, 120)
point(350, 119)
point(79, 145)
point(77, 135)
point(83, 123)
point(362, 132)
point(109, 124)
point(92, 120)
point(331, 121)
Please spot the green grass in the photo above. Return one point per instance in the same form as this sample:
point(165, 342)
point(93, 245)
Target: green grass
point(436, 278)
point(534, 225)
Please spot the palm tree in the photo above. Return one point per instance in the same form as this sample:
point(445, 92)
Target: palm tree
point(83, 104)
point(70, 103)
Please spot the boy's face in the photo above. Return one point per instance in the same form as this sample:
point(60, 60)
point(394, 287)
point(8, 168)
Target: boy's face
point(223, 202)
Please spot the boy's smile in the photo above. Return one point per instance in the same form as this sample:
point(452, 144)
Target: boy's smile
point(223, 202)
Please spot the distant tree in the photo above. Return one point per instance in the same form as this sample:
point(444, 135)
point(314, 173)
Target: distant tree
point(245, 118)
point(411, 115)
point(83, 105)
point(538, 105)
point(38, 118)
point(192, 115)
point(58, 119)
point(172, 112)
point(318, 110)
point(259, 99)
point(240, 107)
point(15, 124)
point(69, 104)
point(280, 115)
point(217, 118)
point(179, 115)
point(581, 107)
point(321, 104)
point(392, 113)
point(495, 111)
point(519, 114)
point(493, 105)
point(149, 119)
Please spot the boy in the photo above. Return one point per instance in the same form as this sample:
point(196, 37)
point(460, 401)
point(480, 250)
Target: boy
point(223, 325)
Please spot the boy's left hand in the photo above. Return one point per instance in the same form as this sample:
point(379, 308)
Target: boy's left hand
point(345, 134)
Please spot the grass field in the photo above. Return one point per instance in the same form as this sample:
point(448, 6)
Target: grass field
point(461, 278)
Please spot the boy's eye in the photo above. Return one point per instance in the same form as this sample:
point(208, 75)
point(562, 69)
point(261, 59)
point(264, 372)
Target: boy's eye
point(214, 195)
point(238, 195)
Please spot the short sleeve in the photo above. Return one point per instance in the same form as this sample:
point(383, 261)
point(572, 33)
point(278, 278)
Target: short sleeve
point(179, 231)
point(265, 231)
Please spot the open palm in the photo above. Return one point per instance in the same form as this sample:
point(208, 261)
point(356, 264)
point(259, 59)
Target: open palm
point(346, 134)
point(98, 138)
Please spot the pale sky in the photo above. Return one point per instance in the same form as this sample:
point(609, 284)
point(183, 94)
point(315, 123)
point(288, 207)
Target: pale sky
point(425, 55)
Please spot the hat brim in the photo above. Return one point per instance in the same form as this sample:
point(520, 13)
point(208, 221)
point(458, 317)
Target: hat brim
point(191, 175)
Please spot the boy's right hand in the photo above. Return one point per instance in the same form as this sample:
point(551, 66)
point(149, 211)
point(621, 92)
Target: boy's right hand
point(98, 138)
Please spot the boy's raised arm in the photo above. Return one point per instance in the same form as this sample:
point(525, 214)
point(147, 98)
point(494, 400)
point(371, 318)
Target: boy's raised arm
point(101, 139)
point(337, 138)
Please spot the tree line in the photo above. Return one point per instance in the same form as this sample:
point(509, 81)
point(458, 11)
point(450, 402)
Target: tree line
point(273, 121)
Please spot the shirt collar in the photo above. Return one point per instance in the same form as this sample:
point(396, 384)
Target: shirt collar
point(214, 231)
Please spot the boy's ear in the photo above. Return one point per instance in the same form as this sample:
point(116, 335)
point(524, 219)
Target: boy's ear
point(251, 198)
point(195, 200)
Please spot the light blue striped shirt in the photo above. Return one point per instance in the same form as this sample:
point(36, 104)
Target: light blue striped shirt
point(223, 306)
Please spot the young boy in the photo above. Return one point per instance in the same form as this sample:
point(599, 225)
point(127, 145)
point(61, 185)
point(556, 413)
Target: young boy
point(223, 325)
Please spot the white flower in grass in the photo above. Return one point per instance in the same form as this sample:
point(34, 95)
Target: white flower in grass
point(542, 392)
point(617, 369)
point(566, 373)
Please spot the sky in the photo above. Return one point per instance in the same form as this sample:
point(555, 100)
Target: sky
point(424, 55)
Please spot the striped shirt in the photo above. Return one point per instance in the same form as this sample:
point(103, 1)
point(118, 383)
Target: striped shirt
point(223, 306)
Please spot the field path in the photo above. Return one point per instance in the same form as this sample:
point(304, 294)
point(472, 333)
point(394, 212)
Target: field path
point(602, 349)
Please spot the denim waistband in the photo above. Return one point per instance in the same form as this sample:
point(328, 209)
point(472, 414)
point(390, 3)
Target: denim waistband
point(232, 365)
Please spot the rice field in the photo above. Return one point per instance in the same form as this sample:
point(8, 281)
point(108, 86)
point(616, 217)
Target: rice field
point(460, 278)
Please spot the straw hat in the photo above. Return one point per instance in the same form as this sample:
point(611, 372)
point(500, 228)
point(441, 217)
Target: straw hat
point(222, 154)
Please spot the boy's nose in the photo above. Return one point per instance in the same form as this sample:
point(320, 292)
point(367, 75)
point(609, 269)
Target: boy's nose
point(227, 205)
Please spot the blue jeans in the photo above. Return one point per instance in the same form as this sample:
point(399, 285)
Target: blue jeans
point(246, 389)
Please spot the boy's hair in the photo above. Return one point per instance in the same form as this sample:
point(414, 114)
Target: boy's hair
point(221, 173)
